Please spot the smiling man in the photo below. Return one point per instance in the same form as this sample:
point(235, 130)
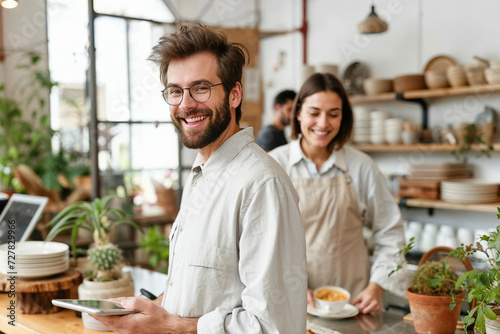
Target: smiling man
point(237, 247)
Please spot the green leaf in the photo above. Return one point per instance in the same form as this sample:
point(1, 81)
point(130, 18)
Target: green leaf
point(480, 322)
point(489, 313)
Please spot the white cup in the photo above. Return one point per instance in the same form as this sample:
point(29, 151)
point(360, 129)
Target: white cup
point(409, 137)
point(428, 240)
point(465, 236)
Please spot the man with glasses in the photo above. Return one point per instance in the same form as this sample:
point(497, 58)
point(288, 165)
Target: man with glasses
point(237, 249)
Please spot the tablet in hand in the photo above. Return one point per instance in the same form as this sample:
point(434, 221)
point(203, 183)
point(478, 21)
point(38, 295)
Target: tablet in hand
point(95, 307)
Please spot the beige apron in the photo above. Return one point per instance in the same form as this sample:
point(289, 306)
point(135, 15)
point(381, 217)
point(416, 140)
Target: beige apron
point(336, 250)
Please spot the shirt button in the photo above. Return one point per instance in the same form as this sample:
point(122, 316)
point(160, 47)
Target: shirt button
point(194, 184)
point(171, 283)
point(181, 229)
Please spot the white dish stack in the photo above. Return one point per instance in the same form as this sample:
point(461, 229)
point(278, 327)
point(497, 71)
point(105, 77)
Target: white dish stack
point(361, 132)
point(393, 130)
point(469, 191)
point(377, 130)
point(34, 259)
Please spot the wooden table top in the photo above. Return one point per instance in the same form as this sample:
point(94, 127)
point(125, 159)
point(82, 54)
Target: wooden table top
point(64, 322)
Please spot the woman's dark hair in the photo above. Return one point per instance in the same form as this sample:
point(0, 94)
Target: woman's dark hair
point(324, 82)
point(197, 38)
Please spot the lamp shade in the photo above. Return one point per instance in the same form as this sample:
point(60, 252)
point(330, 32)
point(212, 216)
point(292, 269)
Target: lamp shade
point(372, 24)
point(9, 4)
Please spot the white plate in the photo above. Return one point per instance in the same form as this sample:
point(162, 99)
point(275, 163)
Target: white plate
point(37, 273)
point(37, 249)
point(347, 312)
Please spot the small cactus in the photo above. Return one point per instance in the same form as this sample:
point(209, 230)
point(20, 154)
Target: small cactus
point(105, 258)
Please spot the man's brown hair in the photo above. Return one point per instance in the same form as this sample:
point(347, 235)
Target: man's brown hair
point(197, 38)
point(324, 82)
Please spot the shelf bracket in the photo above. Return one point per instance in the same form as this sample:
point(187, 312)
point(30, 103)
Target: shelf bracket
point(423, 105)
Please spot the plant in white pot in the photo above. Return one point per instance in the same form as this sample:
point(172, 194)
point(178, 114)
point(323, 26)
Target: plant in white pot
point(106, 279)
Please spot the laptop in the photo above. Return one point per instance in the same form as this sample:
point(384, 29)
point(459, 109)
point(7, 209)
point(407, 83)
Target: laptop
point(22, 212)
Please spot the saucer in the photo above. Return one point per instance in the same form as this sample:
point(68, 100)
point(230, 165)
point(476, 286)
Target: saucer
point(347, 312)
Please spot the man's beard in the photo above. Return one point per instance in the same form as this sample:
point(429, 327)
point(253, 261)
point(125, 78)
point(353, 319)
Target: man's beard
point(284, 120)
point(214, 128)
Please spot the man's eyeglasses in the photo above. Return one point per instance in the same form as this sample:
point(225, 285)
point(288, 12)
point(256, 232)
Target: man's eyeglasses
point(200, 92)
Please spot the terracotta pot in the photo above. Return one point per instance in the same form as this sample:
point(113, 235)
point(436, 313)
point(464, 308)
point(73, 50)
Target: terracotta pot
point(431, 314)
point(493, 326)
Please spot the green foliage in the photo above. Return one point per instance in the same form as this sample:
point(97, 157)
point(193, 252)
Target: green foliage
point(25, 128)
point(157, 246)
point(434, 279)
point(471, 137)
point(95, 217)
point(484, 286)
point(106, 259)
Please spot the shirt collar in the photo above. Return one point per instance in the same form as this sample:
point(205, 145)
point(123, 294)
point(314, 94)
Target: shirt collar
point(224, 154)
point(336, 158)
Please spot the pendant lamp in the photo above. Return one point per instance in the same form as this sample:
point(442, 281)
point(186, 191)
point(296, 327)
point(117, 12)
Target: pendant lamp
point(9, 4)
point(372, 24)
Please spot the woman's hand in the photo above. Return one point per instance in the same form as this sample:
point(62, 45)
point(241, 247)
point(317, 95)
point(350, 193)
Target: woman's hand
point(310, 298)
point(151, 318)
point(370, 299)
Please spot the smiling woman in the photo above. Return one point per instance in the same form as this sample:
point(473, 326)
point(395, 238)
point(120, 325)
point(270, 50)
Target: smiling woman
point(341, 192)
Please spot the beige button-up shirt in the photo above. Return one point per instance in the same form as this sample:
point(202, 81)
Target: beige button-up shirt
point(237, 247)
point(378, 210)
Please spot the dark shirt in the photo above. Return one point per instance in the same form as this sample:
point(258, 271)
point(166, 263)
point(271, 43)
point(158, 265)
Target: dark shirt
point(270, 137)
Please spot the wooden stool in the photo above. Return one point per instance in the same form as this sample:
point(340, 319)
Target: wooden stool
point(35, 296)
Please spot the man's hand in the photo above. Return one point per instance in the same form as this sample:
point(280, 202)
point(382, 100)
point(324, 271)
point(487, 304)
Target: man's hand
point(370, 299)
point(151, 318)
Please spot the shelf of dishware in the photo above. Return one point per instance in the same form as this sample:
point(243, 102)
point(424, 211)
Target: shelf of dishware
point(420, 147)
point(439, 204)
point(427, 93)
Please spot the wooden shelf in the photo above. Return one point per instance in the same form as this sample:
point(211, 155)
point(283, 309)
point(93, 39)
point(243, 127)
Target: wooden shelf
point(418, 147)
point(438, 204)
point(427, 93)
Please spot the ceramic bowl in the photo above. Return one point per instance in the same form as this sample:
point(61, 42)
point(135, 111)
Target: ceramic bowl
point(331, 305)
point(374, 86)
point(405, 83)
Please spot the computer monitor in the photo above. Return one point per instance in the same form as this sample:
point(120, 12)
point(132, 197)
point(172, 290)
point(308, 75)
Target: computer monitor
point(22, 212)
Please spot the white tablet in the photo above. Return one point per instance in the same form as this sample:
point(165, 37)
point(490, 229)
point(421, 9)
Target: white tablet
point(96, 307)
point(21, 214)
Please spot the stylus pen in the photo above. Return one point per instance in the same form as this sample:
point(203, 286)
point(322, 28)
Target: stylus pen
point(148, 294)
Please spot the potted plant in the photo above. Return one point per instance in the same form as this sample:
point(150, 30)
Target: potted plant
point(484, 286)
point(105, 279)
point(433, 296)
point(156, 245)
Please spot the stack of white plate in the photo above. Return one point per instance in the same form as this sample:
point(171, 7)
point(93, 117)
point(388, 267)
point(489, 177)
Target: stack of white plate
point(470, 191)
point(377, 130)
point(361, 125)
point(34, 259)
point(393, 128)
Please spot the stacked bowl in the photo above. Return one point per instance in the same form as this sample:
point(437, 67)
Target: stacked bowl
point(34, 259)
point(361, 133)
point(393, 128)
point(374, 86)
point(456, 76)
point(377, 130)
point(475, 75)
point(435, 79)
point(472, 191)
point(493, 72)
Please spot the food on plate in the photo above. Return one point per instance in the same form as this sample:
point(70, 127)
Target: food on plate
point(331, 295)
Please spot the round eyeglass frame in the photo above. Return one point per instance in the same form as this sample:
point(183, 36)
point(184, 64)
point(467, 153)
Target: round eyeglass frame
point(190, 94)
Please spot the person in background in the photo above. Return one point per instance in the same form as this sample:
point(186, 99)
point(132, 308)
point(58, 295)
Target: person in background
point(341, 192)
point(237, 247)
point(273, 135)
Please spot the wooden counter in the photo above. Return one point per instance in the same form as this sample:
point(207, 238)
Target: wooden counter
point(64, 322)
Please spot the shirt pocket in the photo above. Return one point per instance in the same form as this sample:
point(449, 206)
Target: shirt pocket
point(210, 256)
